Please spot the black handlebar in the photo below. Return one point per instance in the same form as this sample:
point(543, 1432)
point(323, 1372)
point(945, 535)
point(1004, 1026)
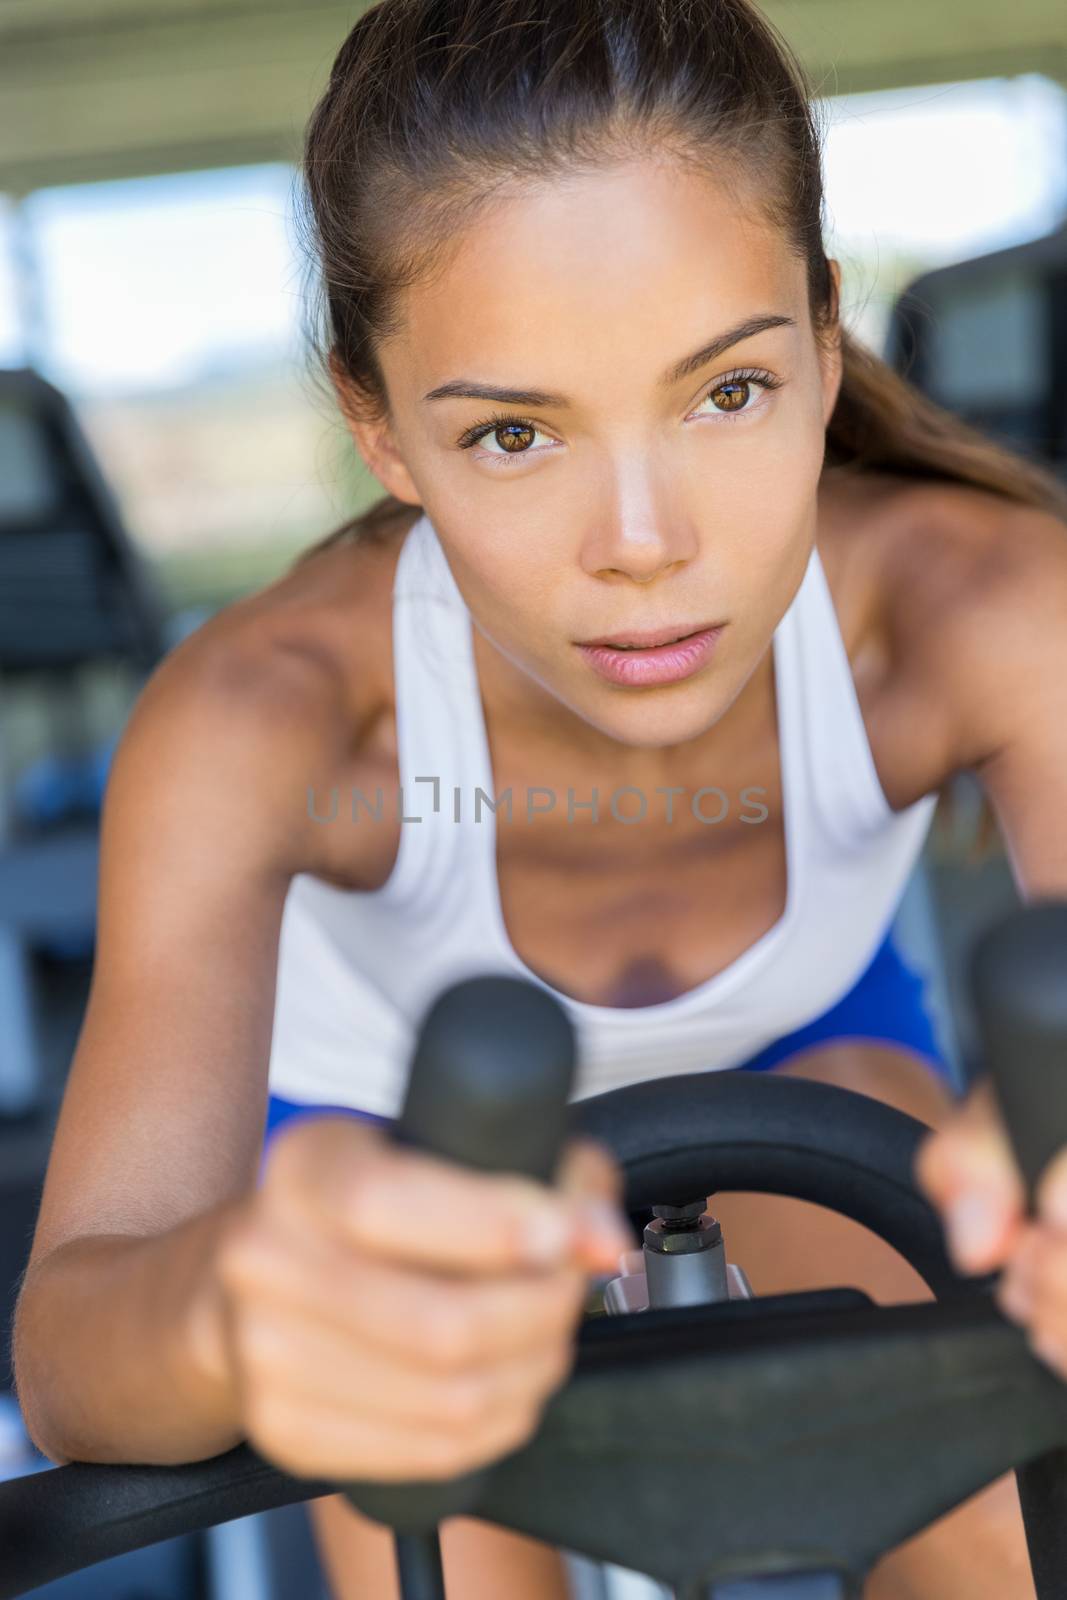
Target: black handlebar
point(1018, 982)
point(491, 1078)
point(1019, 990)
point(488, 1089)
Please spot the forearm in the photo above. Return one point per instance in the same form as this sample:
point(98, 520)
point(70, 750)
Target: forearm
point(112, 1354)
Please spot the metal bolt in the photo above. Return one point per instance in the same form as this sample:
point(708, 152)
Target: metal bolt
point(680, 1219)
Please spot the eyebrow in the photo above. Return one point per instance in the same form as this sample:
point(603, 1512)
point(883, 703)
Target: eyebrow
point(472, 389)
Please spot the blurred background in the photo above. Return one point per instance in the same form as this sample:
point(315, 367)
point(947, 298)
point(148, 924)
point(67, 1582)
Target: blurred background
point(166, 443)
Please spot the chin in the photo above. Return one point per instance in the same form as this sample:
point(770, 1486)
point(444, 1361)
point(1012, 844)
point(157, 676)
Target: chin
point(656, 724)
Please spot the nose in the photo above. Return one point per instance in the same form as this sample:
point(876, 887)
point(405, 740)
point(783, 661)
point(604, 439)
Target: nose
point(641, 549)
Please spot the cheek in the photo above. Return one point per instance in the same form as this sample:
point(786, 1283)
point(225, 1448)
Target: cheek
point(494, 570)
point(514, 596)
point(767, 568)
point(506, 559)
point(797, 444)
point(767, 498)
point(523, 590)
point(797, 459)
point(765, 547)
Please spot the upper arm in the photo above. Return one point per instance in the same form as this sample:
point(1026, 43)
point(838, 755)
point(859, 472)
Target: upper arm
point(998, 652)
point(200, 835)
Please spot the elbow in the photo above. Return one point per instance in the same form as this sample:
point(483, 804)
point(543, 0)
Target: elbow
point(81, 1407)
point(34, 1394)
point(42, 1433)
point(29, 1396)
point(41, 1442)
point(59, 1445)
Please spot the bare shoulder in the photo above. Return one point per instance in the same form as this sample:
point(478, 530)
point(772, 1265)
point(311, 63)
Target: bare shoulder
point(951, 545)
point(330, 613)
point(975, 589)
point(281, 692)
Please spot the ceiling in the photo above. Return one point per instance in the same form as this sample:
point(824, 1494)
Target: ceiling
point(95, 89)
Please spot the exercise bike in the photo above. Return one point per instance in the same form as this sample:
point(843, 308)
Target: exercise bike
point(733, 1447)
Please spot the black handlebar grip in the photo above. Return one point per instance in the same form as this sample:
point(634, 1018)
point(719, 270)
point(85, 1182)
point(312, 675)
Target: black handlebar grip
point(1018, 980)
point(489, 1089)
point(491, 1078)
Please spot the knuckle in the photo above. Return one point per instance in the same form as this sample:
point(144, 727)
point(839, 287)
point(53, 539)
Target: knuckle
point(560, 1367)
point(932, 1148)
point(560, 1309)
point(452, 1340)
point(364, 1191)
point(571, 1299)
point(935, 1160)
point(602, 1166)
point(1051, 1275)
point(550, 1374)
point(264, 1422)
point(465, 1403)
point(521, 1424)
point(264, 1347)
point(1042, 1328)
point(277, 1428)
point(447, 1454)
point(240, 1258)
point(286, 1158)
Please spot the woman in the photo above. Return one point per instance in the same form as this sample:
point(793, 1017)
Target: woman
point(584, 332)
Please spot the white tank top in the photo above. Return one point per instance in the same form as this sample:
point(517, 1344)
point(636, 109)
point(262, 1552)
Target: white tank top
point(357, 969)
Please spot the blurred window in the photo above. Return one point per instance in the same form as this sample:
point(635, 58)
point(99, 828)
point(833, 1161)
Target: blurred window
point(171, 311)
point(11, 333)
point(160, 283)
point(917, 178)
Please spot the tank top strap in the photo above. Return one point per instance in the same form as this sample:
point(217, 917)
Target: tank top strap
point(436, 723)
point(846, 794)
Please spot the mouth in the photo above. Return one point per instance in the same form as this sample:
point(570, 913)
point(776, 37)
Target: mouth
point(652, 659)
point(650, 639)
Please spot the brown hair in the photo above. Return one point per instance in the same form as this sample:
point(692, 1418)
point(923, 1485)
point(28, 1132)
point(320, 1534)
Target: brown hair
point(434, 106)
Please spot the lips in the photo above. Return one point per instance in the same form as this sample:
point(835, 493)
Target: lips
point(650, 638)
point(646, 666)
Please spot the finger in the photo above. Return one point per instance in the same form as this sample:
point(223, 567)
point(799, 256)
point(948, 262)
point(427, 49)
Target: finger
point(410, 1205)
point(968, 1170)
point(311, 1440)
point(1033, 1292)
point(591, 1176)
point(971, 1147)
point(589, 1167)
point(402, 1311)
point(1036, 1278)
point(285, 1357)
point(1014, 1291)
point(1050, 1195)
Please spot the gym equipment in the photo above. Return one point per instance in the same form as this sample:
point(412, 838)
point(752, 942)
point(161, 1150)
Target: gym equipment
point(987, 339)
point(771, 1448)
point(74, 593)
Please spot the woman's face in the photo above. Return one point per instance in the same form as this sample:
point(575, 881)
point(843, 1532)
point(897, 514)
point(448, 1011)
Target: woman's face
point(641, 487)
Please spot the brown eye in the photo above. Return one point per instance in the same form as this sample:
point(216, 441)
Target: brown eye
point(732, 396)
point(737, 393)
point(504, 436)
point(514, 437)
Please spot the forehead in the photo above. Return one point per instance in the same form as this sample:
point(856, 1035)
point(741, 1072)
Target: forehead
point(646, 256)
